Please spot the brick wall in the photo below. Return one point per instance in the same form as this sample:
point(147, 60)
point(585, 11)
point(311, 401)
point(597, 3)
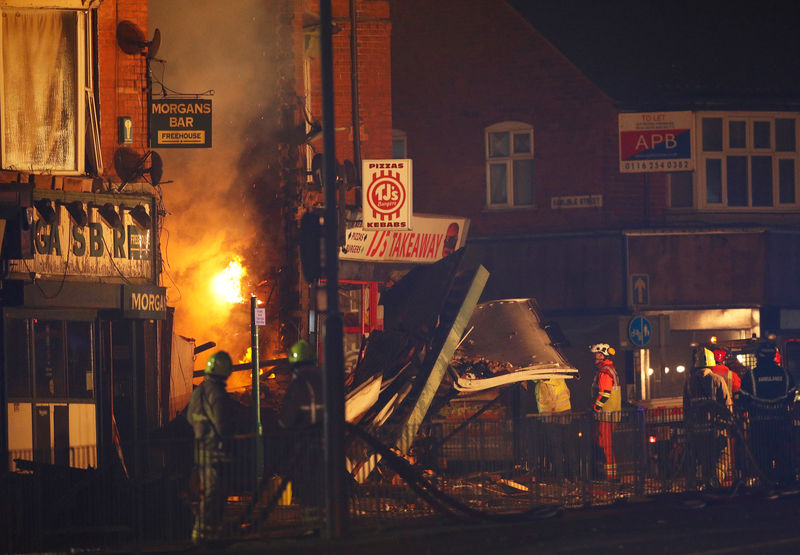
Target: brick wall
point(374, 78)
point(462, 65)
point(121, 79)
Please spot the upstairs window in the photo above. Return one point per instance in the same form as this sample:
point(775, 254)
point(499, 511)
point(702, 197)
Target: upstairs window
point(509, 165)
point(45, 86)
point(748, 160)
point(399, 142)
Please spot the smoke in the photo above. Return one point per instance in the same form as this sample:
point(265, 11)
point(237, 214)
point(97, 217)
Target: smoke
point(228, 200)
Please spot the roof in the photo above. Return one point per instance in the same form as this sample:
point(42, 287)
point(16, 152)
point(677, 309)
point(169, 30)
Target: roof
point(680, 53)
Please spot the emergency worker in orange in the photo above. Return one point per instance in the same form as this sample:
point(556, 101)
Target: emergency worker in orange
point(607, 403)
point(731, 378)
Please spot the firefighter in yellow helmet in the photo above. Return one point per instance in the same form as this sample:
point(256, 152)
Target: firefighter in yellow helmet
point(302, 404)
point(607, 403)
point(209, 413)
point(707, 412)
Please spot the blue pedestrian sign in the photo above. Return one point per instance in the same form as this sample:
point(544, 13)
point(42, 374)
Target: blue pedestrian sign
point(639, 330)
point(640, 288)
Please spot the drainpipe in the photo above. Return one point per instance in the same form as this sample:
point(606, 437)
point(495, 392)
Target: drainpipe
point(354, 88)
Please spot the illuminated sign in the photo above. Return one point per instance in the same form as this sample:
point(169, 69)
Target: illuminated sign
point(386, 194)
point(180, 123)
point(656, 142)
point(433, 238)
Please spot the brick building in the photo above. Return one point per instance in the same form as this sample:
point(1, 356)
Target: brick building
point(511, 132)
point(83, 314)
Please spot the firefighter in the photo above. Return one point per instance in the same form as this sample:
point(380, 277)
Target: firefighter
point(302, 404)
point(607, 403)
point(707, 407)
point(767, 393)
point(302, 412)
point(553, 404)
point(210, 414)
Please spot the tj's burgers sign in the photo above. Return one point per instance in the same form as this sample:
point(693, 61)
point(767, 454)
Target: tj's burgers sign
point(386, 194)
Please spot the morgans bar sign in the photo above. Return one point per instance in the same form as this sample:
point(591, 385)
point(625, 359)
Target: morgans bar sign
point(180, 123)
point(147, 302)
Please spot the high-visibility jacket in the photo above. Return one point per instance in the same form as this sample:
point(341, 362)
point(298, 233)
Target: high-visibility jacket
point(731, 378)
point(606, 387)
point(552, 395)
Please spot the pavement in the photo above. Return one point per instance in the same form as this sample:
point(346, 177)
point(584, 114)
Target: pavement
point(761, 522)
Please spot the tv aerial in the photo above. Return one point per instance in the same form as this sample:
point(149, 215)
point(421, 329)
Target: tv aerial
point(131, 166)
point(131, 40)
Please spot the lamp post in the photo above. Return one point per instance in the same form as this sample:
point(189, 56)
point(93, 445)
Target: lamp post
point(333, 374)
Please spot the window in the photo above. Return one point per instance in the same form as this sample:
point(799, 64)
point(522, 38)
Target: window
point(62, 365)
point(44, 79)
point(399, 142)
point(747, 160)
point(509, 165)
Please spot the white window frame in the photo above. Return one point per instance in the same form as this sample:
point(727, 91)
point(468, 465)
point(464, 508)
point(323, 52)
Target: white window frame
point(513, 128)
point(748, 151)
point(84, 94)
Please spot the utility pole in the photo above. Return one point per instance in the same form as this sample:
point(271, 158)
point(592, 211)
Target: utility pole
point(333, 368)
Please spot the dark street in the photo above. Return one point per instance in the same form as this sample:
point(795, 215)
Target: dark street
point(754, 522)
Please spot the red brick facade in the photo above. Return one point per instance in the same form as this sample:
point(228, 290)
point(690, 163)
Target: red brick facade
point(121, 78)
point(497, 68)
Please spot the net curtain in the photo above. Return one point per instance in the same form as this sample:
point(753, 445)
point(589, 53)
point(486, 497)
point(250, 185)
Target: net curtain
point(39, 89)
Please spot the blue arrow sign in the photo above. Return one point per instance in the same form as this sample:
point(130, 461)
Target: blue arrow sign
point(639, 331)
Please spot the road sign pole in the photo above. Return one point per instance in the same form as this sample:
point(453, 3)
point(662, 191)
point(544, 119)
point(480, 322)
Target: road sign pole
point(256, 383)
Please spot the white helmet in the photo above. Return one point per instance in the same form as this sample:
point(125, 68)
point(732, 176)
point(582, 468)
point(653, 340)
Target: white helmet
point(604, 348)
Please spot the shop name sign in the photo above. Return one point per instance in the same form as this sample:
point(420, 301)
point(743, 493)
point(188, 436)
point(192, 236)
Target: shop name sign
point(144, 301)
point(180, 123)
point(433, 238)
point(94, 250)
point(386, 194)
point(656, 142)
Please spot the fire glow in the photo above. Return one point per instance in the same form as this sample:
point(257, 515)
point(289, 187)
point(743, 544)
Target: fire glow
point(227, 285)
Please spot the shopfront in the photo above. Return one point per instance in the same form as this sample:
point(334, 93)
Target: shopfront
point(83, 322)
point(373, 260)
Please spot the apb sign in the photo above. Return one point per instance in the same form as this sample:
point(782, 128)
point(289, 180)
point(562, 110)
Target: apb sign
point(180, 123)
point(386, 194)
point(655, 142)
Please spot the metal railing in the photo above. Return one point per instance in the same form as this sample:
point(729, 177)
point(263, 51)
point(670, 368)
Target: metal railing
point(150, 493)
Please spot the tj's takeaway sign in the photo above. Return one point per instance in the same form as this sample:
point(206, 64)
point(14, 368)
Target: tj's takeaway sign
point(433, 237)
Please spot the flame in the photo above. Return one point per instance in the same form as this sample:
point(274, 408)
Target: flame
point(227, 285)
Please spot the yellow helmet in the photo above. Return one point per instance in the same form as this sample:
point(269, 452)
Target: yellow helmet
point(301, 352)
point(219, 364)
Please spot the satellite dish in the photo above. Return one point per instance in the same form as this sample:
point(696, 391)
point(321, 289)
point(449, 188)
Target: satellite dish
point(131, 166)
point(154, 45)
point(131, 40)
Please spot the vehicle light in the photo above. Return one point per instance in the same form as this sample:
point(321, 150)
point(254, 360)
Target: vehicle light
point(649, 371)
point(680, 369)
point(666, 369)
point(651, 439)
